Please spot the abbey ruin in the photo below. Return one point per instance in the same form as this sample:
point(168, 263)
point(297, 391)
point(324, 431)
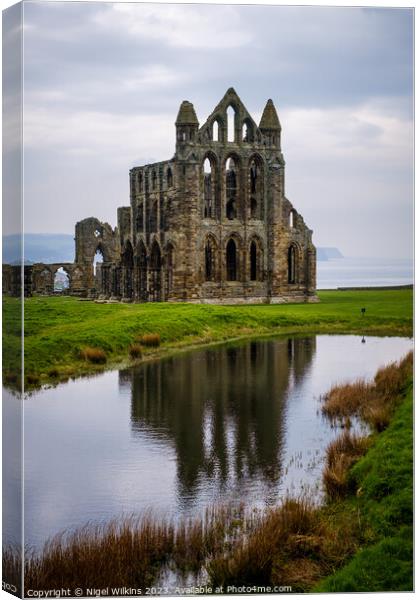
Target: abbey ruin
point(211, 225)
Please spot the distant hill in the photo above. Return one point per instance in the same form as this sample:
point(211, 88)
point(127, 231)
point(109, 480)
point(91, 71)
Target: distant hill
point(325, 253)
point(39, 247)
point(59, 247)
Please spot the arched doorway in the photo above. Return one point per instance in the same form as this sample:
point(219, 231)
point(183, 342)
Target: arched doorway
point(61, 281)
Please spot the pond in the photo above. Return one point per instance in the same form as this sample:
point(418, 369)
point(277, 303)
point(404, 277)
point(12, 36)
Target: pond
point(236, 422)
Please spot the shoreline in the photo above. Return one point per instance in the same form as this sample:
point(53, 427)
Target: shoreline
point(53, 343)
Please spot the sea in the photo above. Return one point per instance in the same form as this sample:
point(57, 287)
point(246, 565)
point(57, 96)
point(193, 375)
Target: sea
point(364, 272)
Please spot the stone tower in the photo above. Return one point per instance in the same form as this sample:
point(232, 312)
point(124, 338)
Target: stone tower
point(212, 224)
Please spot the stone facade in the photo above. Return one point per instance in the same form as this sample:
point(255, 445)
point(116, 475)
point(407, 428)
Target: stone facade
point(210, 225)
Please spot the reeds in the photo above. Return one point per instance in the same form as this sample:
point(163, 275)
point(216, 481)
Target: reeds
point(375, 401)
point(150, 339)
point(135, 351)
point(93, 355)
point(293, 544)
point(342, 453)
point(131, 551)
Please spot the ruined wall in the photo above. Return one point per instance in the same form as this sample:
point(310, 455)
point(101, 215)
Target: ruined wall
point(210, 225)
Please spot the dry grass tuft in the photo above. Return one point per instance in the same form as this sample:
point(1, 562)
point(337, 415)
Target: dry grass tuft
point(150, 339)
point(345, 400)
point(342, 453)
point(135, 351)
point(93, 355)
point(374, 402)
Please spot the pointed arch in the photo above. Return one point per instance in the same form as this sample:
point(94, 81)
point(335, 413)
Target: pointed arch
point(292, 218)
point(232, 186)
point(155, 270)
point(231, 260)
point(209, 185)
point(231, 112)
point(141, 271)
point(61, 280)
point(127, 263)
point(169, 177)
point(216, 130)
point(292, 264)
point(256, 187)
point(247, 131)
point(210, 258)
point(139, 216)
point(256, 260)
point(170, 267)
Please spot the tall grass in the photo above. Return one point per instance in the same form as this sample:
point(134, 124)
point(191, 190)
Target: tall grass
point(93, 355)
point(131, 551)
point(150, 339)
point(375, 401)
point(342, 453)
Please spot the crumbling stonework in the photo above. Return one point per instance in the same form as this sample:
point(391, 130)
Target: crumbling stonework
point(210, 225)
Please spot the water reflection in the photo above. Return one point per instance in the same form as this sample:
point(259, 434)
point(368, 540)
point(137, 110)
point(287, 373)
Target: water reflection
point(223, 410)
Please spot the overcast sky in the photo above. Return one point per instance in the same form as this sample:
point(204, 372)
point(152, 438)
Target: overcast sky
point(103, 84)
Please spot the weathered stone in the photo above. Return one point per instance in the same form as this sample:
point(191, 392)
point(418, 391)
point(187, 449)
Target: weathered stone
point(210, 225)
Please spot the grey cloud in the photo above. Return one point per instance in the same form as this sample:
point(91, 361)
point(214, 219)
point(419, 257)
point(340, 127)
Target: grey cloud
point(102, 95)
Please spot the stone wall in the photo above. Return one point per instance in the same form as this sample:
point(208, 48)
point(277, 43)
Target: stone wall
point(210, 225)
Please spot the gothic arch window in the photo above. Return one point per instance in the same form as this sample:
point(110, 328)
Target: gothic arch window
point(208, 189)
point(169, 177)
point(231, 177)
point(170, 263)
point(230, 121)
point(216, 131)
point(256, 260)
point(140, 181)
point(155, 271)
point(98, 259)
point(253, 261)
point(210, 257)
point(292, 218)
point(139, 217)
point(292, 265)
point(247, 131)
point(141, 260)
point(153, 217)
point(154, 180)
point(255, 191)
point(61, 280)
point(231, 261)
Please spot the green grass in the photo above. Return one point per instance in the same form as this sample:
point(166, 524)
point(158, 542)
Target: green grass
point(384, 504)
point(57, 329)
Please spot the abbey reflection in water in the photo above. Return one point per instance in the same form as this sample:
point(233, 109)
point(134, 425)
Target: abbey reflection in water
point(223, 410)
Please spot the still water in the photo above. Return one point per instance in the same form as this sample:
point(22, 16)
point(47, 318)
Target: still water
point(234, 422)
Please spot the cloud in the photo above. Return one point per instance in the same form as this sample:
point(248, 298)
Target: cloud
point(103, 83)
point(188, 26)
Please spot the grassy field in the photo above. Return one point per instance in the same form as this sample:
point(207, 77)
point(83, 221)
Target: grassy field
point(58, 329)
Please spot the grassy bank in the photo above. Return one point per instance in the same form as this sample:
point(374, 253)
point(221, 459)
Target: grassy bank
point(58, 330)
point(360, 539)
